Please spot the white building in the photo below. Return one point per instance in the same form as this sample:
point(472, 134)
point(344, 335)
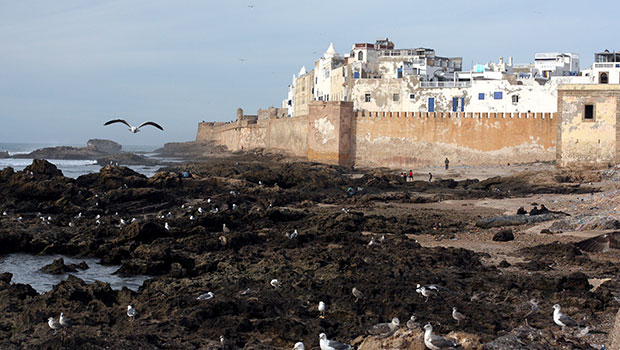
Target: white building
point(555, 64)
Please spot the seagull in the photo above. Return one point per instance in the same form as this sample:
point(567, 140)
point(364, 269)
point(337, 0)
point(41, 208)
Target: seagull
point(526, 310)
point(132, 128)
point(4, 213)
point(54, 325)
point(357, 294)
point(385, 328)
point(457, 316)
point(412, 324)
point(65, 322)
point(275, 283)
point(245, 292)
point(562, 320)
point(435, 342)
point(206, 296)
point(292, 235)
point(327, 344)
point(427, 292)
point(123, 222)
point(322, 309)
point(200, 211)
point(299, 346)
point(131, 312)
point(225, 229)
point(166, 226)
point(214, 211)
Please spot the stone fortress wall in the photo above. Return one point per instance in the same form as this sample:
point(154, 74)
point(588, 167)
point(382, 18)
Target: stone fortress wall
point(333, 133)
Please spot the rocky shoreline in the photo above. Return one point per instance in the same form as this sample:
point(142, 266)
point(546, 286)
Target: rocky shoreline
point(224, 230)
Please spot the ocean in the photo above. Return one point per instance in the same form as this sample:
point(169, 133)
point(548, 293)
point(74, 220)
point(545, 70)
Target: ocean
point(71, 168)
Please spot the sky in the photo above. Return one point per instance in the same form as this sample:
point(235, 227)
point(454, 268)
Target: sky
point(66, 67)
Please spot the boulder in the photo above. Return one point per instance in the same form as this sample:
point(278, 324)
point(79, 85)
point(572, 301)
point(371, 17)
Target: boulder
point(504, 235)
point(41, 167)
point(107, 146)
point(58, 267)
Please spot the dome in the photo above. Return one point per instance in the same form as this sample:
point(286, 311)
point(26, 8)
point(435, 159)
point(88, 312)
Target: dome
point(331, 51)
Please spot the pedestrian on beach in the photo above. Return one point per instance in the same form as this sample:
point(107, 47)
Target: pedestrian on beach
point(410, 175)
point(430, 177)
point(447, 162)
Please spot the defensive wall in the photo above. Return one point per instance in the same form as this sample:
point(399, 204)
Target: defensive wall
point(333, 133)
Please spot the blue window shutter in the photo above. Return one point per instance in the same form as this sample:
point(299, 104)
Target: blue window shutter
point(356, 75)
point(431, 104)
point(462, 104)
point(497, 95)
point(481, 96)
point(455, 102)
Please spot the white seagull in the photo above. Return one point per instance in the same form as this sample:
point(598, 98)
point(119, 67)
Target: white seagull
point(299, 346)
point(132, 128)
point(435, 342)
point(166, 226)
point(275, 283)
point(65, 322)
point(357, 294)
point(427, 292)
point(322, 309)
point(206, 296)
point(412, 324)
point(131, 312)
point(54, 325)
point(327, 344)
point(562, 320)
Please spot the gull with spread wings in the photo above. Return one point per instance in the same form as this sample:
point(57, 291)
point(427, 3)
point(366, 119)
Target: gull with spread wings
point(133, 129)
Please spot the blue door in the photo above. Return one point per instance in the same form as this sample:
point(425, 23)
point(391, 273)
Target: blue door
point(455, 103)
point(431, 104)
point(462, 104)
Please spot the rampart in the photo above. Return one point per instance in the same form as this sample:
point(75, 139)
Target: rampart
point(333, 133)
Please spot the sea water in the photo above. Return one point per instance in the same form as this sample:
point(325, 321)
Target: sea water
point(69, 168)
point(26, 269)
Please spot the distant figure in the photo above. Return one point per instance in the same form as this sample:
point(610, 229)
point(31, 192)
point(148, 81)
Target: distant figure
point(521, 211)
point(543, 209)
point(410, 175)
point(430, 177)
point(447, 162)
point(404, 176)
point(350, 192)
point(534, 211)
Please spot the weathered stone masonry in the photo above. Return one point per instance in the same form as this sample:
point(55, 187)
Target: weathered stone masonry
point(333, 133)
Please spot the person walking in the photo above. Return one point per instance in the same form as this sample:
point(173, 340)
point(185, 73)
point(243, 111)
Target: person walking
point(447, 162)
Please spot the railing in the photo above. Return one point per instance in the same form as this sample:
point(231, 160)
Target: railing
point(445, 84)
point(606, 65)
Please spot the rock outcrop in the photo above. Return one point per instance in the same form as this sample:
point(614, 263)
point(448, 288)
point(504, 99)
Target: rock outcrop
point(106, 146)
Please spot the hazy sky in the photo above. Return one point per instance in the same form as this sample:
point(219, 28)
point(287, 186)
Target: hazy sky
point(68, 66)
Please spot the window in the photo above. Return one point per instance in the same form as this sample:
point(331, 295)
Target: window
point(395, 98)
point(360, 56)
point(497, 95)
point(367, 97)
point(603, 78)
point(431, 104)
point(515, 98)
point(481, 96)
point(356, 75)
point(412, 96)
point(589, 113)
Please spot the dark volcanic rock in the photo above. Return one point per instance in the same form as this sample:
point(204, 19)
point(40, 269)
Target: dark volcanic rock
point(58, 267)
point(126, 158)
point(504, 235)
point(41, 167)
point(107, 146)
point(63, 152)
point(144, 232)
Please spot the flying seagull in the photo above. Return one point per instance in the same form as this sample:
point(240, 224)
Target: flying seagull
point(601, 243)
point(327, 344)
point(435, 342)
point(562, 320)
point(132, 128)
